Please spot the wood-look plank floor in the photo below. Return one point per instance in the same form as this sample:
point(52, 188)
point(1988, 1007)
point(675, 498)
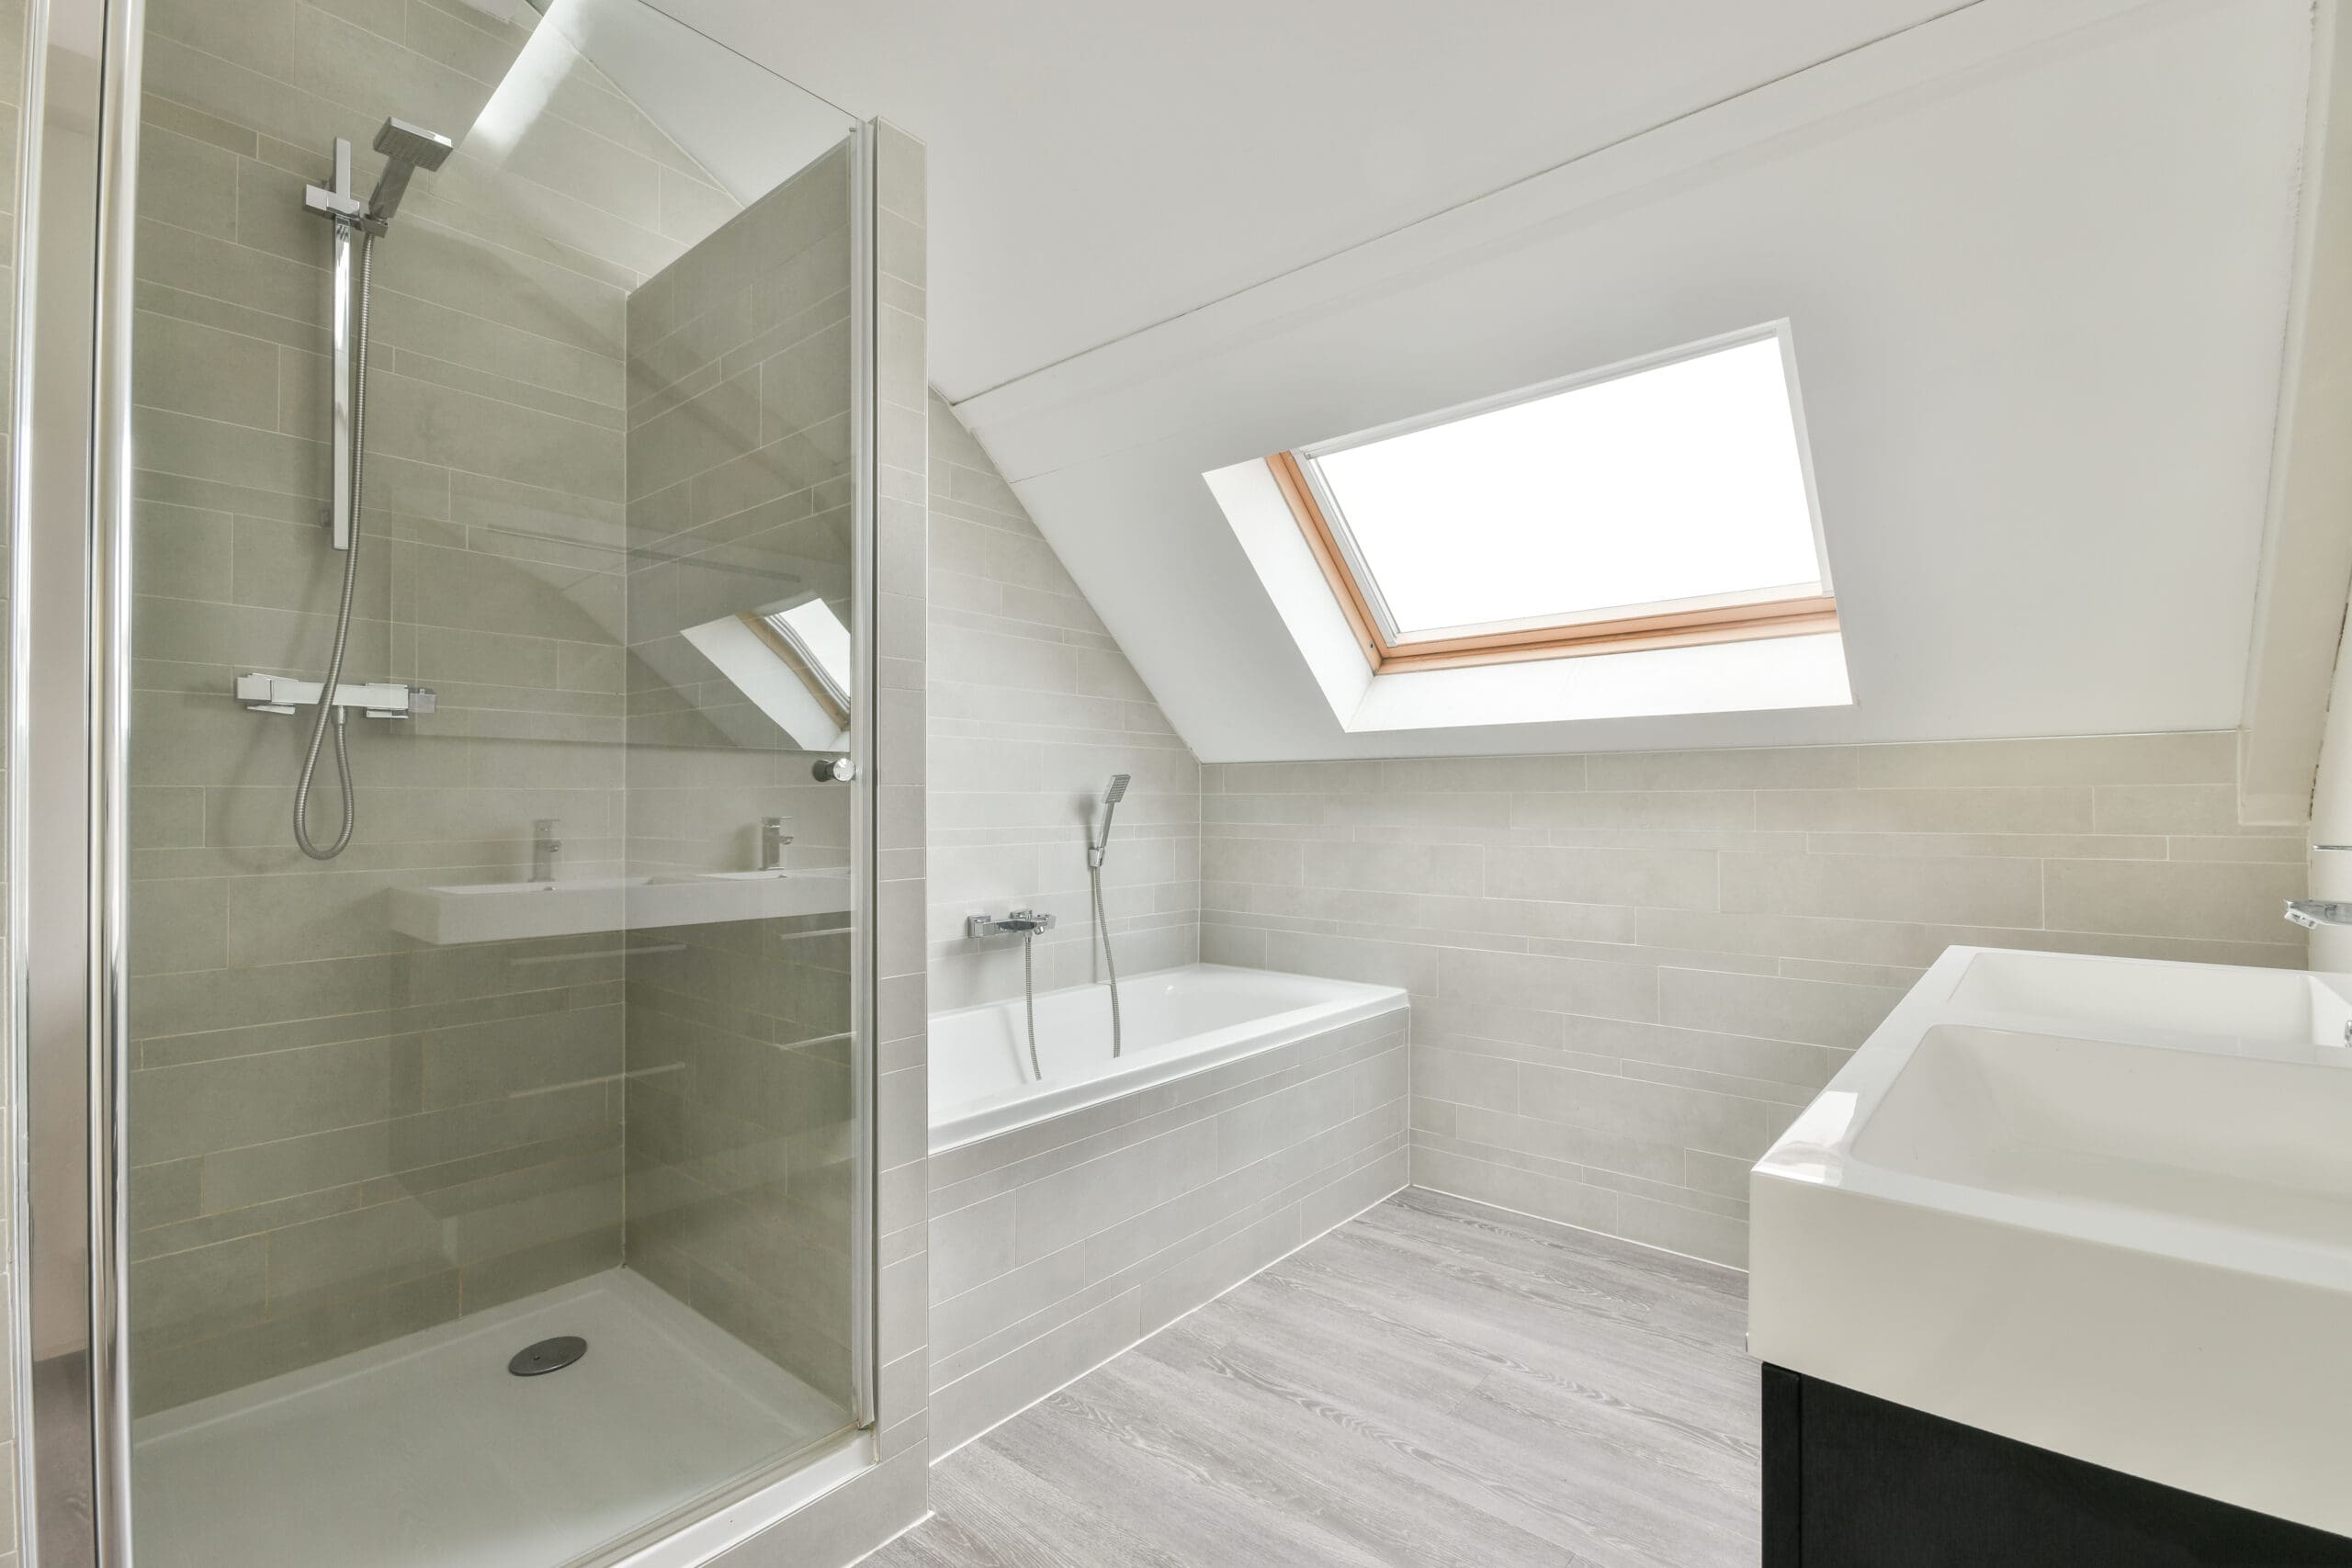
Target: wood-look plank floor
point(1434, 1383)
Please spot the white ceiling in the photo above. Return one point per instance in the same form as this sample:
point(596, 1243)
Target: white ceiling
point(1097, 167)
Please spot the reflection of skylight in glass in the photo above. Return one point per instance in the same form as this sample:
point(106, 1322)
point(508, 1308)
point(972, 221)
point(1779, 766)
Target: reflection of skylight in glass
point(813, 629)
point(1681, 486)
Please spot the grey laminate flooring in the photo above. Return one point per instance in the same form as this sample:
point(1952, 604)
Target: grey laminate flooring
point(1434, 1383)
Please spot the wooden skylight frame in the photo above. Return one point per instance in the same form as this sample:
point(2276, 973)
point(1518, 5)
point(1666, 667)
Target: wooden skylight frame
point(1730, 618)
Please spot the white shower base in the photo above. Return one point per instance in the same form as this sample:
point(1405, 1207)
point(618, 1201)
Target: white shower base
point(426, 1453)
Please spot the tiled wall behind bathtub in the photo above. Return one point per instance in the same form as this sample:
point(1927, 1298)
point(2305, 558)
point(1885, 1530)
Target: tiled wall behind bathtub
point(1033, 708)
point(1629, 970)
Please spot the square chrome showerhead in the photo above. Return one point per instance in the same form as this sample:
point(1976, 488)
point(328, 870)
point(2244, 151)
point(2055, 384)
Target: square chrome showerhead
point(413, 144)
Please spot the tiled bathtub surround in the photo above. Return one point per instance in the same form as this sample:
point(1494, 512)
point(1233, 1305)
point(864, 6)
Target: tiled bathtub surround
point(1629, 971)
point(1033, 708)
point(1055, 1246)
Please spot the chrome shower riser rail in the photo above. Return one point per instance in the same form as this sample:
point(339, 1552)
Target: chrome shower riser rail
point(347, 211)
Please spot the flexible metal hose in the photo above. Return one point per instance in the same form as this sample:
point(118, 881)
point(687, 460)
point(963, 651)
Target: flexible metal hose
point(327, 708)
point(1109, 964)
point(1029, 993)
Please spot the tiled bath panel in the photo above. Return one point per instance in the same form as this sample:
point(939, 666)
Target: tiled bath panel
point(1058, 1244)
point(1630, 971)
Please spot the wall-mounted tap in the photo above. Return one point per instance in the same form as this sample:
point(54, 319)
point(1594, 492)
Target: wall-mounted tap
point(773, 838)
point(1021, 923)
point(2313, 913)
point(544, 845)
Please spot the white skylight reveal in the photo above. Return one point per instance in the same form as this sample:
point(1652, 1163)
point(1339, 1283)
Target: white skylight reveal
point(1668, 502)
point(818, 634)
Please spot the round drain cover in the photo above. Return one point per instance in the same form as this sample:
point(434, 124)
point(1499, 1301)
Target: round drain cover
point(548, 1356)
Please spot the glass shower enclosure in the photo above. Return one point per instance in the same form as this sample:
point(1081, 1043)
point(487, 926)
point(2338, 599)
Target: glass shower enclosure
point(478, 636)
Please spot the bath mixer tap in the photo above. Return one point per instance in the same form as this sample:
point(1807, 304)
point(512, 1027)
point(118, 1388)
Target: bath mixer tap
point(544, 845)
point(2313, 913)
point(773, 838)
point(1021, 923)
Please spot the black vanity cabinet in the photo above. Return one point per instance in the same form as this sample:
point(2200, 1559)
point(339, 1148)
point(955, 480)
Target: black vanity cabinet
point(1855, 1482)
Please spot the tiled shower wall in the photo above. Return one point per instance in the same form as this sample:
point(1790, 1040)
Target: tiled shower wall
point(1629, 971)
point(739, 1106)
point(341, 1135)
point(1033, 708)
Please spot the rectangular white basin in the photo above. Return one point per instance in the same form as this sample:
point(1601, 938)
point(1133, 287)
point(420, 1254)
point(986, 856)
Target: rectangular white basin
point(2195, 998)
point(513, 911)
point(2260, 1149)
point(2038, 1201)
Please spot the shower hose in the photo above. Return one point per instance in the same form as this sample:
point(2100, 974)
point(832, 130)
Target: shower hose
point(1029, 994)
point(328, 711)
point(1109, 964)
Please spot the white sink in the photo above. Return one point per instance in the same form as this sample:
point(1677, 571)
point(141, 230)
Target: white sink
point(2194, 998)
point(2103, 1206)
point(2126, 1133)
point(510, 912)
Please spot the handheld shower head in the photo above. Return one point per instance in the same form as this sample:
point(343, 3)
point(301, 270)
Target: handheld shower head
point(1111, 798)
point(407, 149)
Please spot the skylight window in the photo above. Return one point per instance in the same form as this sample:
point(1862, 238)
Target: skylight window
point(1659, 504)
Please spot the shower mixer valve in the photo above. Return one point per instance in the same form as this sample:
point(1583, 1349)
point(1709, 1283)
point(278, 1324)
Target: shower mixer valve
point(1021, 923)
point(374, 699)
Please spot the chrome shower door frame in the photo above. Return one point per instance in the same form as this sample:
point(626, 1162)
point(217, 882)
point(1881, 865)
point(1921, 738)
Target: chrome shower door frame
point(68, 735)
point(69, 716)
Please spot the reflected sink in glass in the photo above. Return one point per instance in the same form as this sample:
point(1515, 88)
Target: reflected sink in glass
point(511, 911)
point(2218, 999)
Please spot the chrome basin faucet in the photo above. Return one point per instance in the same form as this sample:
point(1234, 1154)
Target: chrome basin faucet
point(544, 845)
point(773, 838)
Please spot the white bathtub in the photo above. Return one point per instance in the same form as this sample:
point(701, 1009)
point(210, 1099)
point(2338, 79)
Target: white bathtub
point(1175, 1022)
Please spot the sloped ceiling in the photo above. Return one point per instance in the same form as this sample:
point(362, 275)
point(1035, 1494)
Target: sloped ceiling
point(2036, 254)
point(1098, 167)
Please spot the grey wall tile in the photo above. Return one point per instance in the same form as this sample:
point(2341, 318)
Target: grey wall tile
point(1675, 950)
point(1030, 710)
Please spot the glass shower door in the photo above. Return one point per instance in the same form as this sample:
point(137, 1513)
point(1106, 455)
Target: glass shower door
point(497, 1162)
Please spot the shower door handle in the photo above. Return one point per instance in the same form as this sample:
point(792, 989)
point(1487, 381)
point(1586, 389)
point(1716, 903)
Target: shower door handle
point(833, 770)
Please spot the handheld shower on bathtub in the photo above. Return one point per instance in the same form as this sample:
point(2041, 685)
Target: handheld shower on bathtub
point(1096, 844)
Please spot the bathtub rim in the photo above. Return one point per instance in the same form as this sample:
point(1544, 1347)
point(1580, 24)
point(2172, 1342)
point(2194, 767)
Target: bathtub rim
point(1234, 1043)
